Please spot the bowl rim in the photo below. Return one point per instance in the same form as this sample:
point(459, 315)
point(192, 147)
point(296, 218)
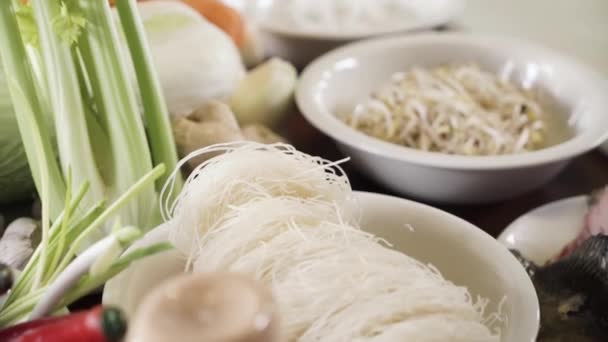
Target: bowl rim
point(449, 10)
point(329, 124)
point(499, 252)
point(518, 235)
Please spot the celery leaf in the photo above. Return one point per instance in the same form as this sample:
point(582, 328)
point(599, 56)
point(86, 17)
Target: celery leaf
point(69, 23)
point(27, 24)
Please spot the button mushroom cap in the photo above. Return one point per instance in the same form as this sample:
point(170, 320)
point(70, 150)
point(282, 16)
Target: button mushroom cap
point(218, 307)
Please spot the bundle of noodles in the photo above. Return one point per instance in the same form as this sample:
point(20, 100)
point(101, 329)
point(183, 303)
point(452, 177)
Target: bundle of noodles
point(289, 225)
point(245, 171)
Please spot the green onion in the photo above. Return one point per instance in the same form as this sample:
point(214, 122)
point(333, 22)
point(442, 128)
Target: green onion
point(30, 288)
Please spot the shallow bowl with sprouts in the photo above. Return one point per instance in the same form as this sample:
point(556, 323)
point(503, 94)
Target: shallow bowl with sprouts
point(573, 99)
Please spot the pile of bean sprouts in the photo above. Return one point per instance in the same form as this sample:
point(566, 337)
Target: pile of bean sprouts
point(458, 109)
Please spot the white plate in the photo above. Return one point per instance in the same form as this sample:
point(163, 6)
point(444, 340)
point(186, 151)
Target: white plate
point(577, 28)
point(542, 233)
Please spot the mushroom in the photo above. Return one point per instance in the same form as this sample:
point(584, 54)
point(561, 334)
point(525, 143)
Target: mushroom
point(215, 307)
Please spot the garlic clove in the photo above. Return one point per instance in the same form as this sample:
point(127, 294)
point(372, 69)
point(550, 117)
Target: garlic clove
point(17, 243)
point(265, 95)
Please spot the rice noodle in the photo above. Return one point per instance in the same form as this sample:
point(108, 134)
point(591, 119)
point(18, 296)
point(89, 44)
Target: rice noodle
point(284, 217)
point(244, 172)
point(455, 110)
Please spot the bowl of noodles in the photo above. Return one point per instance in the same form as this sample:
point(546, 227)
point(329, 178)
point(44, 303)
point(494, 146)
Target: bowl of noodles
point(460, 284)
point(342, 265)
point(455, 118)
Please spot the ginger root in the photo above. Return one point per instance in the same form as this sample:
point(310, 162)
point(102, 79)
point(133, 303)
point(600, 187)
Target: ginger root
point(262, 134)
point(214, 123)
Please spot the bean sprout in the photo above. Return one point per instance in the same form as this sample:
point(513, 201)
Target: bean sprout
point(452, 109)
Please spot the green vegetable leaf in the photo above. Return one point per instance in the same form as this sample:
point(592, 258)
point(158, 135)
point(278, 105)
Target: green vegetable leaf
point(27, 24)
point(70, 23)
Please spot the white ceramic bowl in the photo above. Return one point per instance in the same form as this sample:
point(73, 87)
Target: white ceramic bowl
point(580, 41)
point(300, 45)
point(342, 78)
point(541, 234)
point(462, 252)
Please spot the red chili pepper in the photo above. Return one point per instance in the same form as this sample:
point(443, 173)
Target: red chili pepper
point(96, 325)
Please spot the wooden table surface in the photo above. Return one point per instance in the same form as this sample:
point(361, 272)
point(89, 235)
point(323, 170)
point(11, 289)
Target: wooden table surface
point(584, 174)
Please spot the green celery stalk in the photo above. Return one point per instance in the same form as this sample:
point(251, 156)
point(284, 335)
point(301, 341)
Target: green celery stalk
point(155, 109)
point(29, 112)
point(118, 111)
point(73, 69)
point(75, 152)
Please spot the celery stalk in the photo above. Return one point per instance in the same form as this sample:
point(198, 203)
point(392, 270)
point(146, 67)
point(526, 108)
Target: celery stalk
point(119, 113)
point(74, 71)
point(155, 108)
point(75, 152)
point(85, 83)
point(19, 71)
